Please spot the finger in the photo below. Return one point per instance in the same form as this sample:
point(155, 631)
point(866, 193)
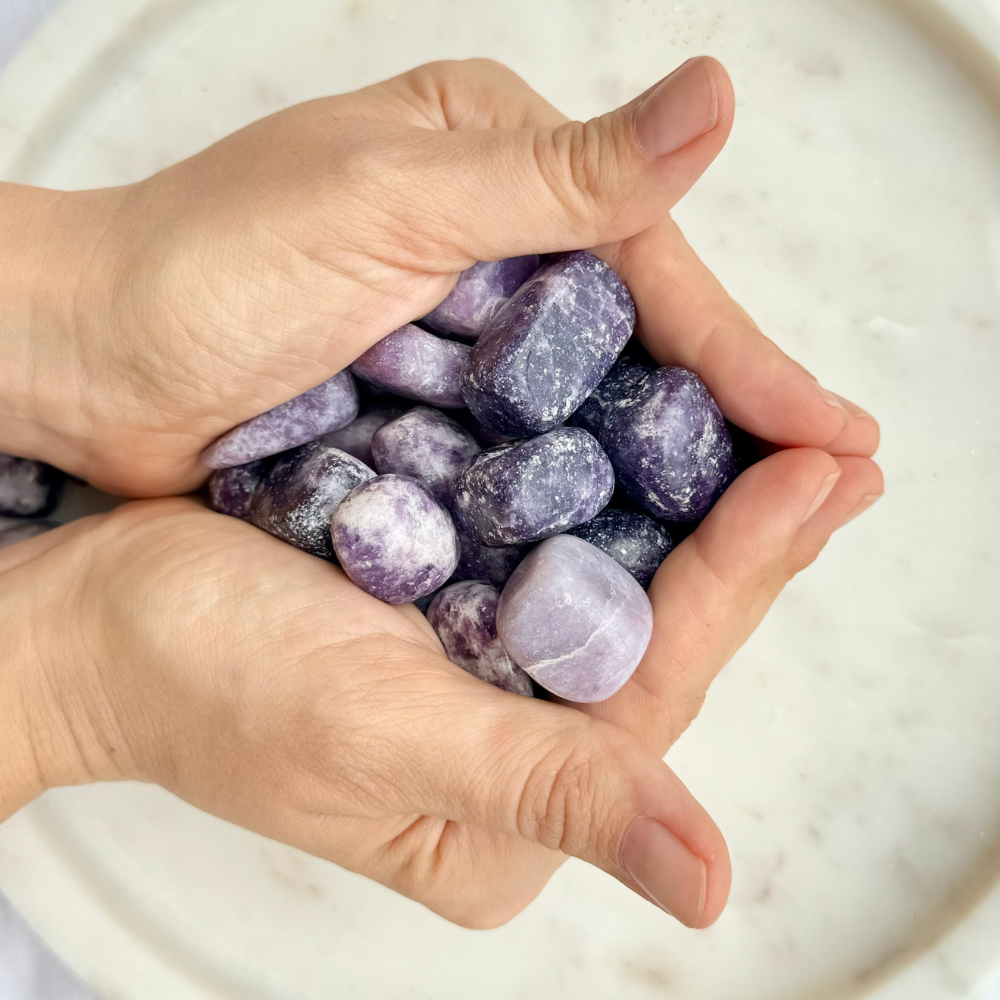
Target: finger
point(687, 318)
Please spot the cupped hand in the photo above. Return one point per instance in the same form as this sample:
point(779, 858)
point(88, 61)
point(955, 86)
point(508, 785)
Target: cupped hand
point(239, 278)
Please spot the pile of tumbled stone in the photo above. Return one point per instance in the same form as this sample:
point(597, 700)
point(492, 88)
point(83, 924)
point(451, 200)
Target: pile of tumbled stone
point(498, 509)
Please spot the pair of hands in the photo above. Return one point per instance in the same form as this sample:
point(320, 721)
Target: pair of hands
point(162, 642)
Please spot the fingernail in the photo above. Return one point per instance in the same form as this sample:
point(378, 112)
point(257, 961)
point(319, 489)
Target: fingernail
point(683, 107)
point(665, 869)
point(824, 491)
point(832, 399)
point(852, 408)
point(867, 502)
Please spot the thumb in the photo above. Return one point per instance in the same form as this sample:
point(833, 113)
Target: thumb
point(578, 184)
point(553, 776)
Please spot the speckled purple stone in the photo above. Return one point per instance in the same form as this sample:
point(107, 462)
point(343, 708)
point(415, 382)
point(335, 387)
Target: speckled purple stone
point(636, 542)
point(231, 491)
point(12, 534)
point(574, 620)
point(394, 540)
point(523, 492)
point(669, 445)
point(356, 437)
point(301, 492)
point(491, 563)
point(329, 406)
point(479, 293)
point(414, 363)
point(464, 617)
point(625, 372)
point(484, 435)
point(427, 445)
point(28, 488)
point(548, 348)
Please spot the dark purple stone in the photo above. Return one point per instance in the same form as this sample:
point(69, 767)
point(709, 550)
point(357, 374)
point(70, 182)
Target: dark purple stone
point(479, 293)
point(464, 617)
point(356, 437)
point(414, 363)
point(635, 541)
point(523, 492)
point(329, 406)
point(301, 492)
point(231, 491)
point(669, 445)
point(426, 445)
point(486, 437)
point(623, 375)
point(394, 540)
point(491, 563)
point(548, 348)
point(14, 533)
point(29, 488)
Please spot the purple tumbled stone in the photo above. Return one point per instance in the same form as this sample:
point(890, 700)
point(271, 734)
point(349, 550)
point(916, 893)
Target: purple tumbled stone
point(464, 617)
point(414, 363)
point(625, 372)
point(635, 541)
point(548, 348)
point(300, 493)
point(491, 563)
point(574, 620)
point(426, 445)
point(329, 406)
point(231, 491)
point(669, 445)
point(523, 492)
point(356, 437)
point(28, 488)
point(394, 540)
point(12, 534)
point(479, 293)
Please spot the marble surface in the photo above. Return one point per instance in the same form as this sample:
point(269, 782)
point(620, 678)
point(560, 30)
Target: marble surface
point(851, 752)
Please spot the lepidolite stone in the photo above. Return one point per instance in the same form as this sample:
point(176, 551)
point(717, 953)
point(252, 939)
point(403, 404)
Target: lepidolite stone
point(464, 617)
point(523, 492)
point(300, 493)
point(356, 437)
point(28, 488)
point(625, 372)
point(12, 534)
point(394, 540)
point(636, 542)
point(669, 445)
point(574, 620)
point(329, 406)
point(231, 491)
point(414, 363)
point(491, 563)
point(479, 293)
point(426, 445)
point(545, 351)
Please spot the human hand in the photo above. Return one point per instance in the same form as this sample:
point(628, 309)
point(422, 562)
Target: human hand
point(251, 272)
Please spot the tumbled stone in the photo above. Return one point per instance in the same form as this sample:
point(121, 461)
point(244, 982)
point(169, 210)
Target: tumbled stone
point(300, 493)
point(414, 363)
point(231, 491)
point(12, 534)
point(330, 405)
point(464, 617)
point(394, 540)
point(486, 437)
point(635, 541)
point(545, 351)
point(356, 437)
point(669, 445)
point(29, 488)
point(574, 620)
point(625, 372)
point(479, 293)
point(523, 492)
point(491, 563)
point(426, 445)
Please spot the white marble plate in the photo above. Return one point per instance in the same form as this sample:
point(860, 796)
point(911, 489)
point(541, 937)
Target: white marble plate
point(851, 752)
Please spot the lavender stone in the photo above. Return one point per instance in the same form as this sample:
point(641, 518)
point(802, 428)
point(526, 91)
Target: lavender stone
point(301, 492)
point(669, 445)
point(464, 617)
point(427, 445)
point(479, 293)
point(417, 365)
point(636, 542)
point(494, 564)
point(356, 437)
point(394, 540)
point(28, 488)
point(524, 492)
point(13, 534)
point(546, 350)
point(574, 620)
point(231, 491)
point(625, 372)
